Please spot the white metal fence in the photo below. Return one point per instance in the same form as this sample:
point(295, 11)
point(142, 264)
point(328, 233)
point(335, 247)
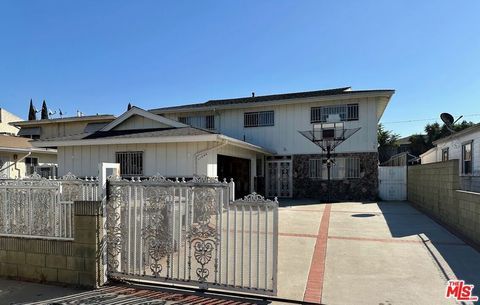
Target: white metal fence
point(190, 232)
point(38, 207)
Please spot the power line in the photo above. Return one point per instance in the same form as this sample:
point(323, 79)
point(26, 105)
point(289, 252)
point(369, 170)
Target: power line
point(425, 120)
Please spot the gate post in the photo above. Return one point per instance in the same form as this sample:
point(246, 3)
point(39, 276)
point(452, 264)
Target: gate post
point(105, 170)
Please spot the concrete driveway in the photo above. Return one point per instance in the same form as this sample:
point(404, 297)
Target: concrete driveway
point(342, 253)
point(369, 253)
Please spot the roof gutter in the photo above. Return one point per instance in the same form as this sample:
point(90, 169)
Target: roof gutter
point(346, 95)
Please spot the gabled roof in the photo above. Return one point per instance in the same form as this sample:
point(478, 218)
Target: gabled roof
point(465, 131)
point(269, 98)
point(140, 112)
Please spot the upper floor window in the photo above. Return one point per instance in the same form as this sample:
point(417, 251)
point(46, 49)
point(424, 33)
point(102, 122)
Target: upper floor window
point(131, 162)
point(467, 158)
point(258, 119)
point(347, 112)
point(445, 154)
point(200, 121)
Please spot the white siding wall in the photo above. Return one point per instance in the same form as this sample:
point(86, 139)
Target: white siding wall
point(430, 156)
point(5, 118)
point(284, 139)
point(170, 159)
point(455, 150)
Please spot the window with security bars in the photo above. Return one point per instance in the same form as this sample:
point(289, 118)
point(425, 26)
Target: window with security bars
point(201, 121)
point(316, 168)
point(347, 112)
point(131, 163)
point(259, 119)
point(343, 168)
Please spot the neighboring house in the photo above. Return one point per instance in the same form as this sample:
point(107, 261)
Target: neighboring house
point(18, 158)
point(60, 127)
point(254, 140)
point(5, 119)
point(463, 146)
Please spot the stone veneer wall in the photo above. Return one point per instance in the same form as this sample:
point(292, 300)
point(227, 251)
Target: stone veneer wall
point(363, 188)
point(58, 261)
point(434, 189)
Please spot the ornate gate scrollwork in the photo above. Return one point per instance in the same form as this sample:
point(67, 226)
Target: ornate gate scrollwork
point(156, 233)
point(203, 235)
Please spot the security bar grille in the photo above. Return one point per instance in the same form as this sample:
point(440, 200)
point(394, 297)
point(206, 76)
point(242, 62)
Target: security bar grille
point(258, 119)
point(347, 112)
point(131, 163)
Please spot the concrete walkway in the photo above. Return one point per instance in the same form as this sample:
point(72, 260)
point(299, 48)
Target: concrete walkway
point(370, 253)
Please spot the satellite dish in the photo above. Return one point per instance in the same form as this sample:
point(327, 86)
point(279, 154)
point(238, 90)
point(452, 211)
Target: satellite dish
point(448, 120)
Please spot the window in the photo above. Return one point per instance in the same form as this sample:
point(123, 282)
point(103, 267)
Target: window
point(131, 163)
point(445, 154)
point(352, 168)
point(347, 112)
point(201, 121)
point(344, 168)
point(30, 164)
point(467, 158)
point(316, 168)
point(258, 119)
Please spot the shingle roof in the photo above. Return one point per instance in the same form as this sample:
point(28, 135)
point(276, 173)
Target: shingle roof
point(273, 97)
point(14, 142)
point(136, 133)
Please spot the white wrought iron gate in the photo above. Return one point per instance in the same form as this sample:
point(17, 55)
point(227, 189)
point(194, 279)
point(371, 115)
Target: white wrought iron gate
point(190, 233)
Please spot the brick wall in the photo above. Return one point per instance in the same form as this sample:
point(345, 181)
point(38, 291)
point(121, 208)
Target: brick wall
point(57, 261)
point(434, 188)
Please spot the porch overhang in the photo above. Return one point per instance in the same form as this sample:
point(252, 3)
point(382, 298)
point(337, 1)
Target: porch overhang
point(153, 140)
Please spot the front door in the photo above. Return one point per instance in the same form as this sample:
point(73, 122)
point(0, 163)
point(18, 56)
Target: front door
point(279, 178)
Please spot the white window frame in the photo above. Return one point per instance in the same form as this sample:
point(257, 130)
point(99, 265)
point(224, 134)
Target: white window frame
point(199, 121)
point(445, 150)
point(315, 168)
point(342, 169)
point(347, 112)
point(259, 119)
point(130, 170)
point(470, 143)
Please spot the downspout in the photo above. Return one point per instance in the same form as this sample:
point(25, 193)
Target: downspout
point(200, 154)
point(15, 163)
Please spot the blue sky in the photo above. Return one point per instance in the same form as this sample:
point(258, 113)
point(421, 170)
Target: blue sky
point(96, 56)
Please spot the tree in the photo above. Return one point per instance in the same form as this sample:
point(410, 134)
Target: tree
point(44, 111)
point(32, 114)
point(386, 137)
point(387, 143)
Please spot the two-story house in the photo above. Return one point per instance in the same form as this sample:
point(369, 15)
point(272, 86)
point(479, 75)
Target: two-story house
point(254, 140)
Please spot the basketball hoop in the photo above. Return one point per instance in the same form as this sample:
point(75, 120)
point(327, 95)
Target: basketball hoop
point(328, 136)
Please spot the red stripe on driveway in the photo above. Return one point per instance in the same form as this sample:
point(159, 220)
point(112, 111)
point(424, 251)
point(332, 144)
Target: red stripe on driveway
point(313, 291)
